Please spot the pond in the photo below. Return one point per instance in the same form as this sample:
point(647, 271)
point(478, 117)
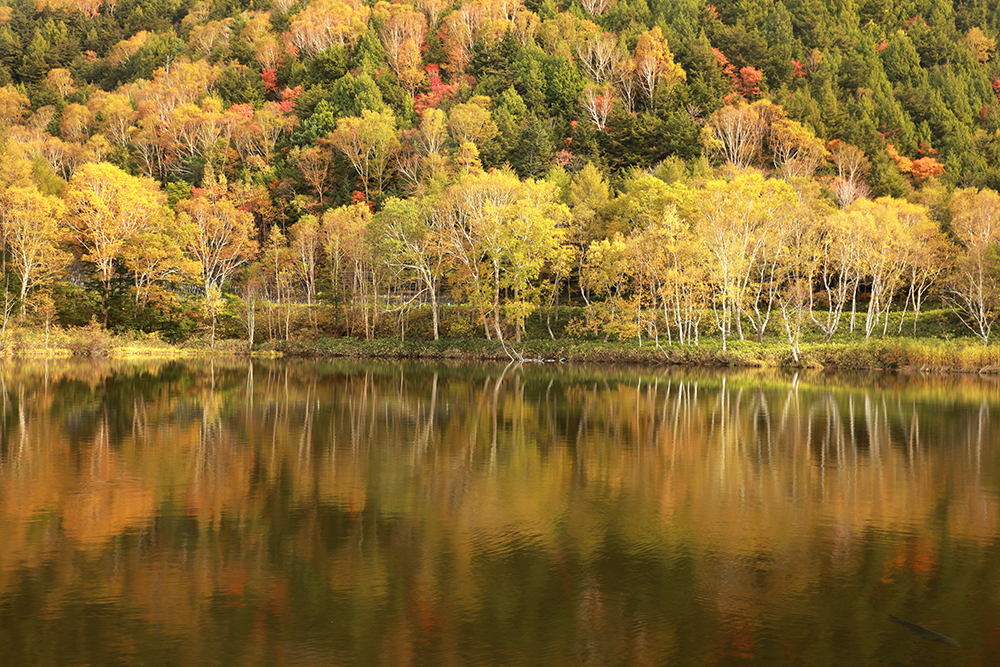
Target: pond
point(368, 513)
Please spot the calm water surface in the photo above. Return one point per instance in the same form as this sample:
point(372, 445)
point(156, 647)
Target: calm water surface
point(344, 513)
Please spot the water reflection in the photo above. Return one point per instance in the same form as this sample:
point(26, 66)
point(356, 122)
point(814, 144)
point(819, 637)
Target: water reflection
point(383, 514)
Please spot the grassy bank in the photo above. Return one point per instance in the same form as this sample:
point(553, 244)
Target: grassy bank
point(910, 354)
point(939, 344)
point(96, 341)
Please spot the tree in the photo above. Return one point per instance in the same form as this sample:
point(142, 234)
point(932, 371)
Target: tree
point(624, 79)
point(326, 22)
point(852, 167)
point(414, 240)
point(270, 122)
point(304, 243)
point(62, 80)
point(107, 208)
point(887, 230)
point(974, 287)
point(929, 255)
point(206, 38)
point(278, 266)
point(608, 268)
point(654, 63)
point(563, 85)
point(742, 223)
point(596, 102)
point(919, 169)
point(268, 51)
point(838, 246)
point(532, 155)
point(248, 313)
point(498, 233)
point(13, 106)
point(432, 132)
point(673, 264)
point(589, 196)
point(599, 55)
point(315, 164)
point(212, 306)
point(351, 263)
point(156, 258)
point(797, 152)
point(222, 237)
point(148, 148)
point(485, 22)
point(117, 113)
point(472, 122)
point(597, 7)
point(979, 44)
point(401, 30)
point(31, 231)
point(735, 133)
point(799, 265)
point(368, 142)
point(350, 95)
point(433, 9)
point(534, 235)
point(653, 280)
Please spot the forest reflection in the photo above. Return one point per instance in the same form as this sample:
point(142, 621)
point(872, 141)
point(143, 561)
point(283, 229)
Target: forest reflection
point(384, 513)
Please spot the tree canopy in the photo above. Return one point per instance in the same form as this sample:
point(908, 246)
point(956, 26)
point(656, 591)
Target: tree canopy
point(504, 153)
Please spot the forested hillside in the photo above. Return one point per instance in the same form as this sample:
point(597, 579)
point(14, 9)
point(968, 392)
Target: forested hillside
point(673, 166)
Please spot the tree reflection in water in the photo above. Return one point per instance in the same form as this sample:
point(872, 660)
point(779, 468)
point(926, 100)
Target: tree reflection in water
point(376, 513)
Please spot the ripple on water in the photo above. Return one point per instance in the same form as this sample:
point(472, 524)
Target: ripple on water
point(494, 543)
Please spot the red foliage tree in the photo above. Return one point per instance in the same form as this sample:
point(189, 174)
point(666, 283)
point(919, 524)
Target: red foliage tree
point(745, 81)
point(438, 91)
point(270, 77)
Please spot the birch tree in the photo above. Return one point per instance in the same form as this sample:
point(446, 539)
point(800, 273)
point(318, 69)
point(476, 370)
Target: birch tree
point(974, 289)
point(368, 142)
point(741, 223)
point(107, 208)
point(29, 221)
point(498, 233)
point(415, 246)
point(222, 237)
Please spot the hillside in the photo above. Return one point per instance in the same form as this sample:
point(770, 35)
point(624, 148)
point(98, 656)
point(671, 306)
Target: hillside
point(502, 155)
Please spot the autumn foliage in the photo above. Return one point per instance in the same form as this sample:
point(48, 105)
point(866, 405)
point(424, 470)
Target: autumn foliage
point(210, 134)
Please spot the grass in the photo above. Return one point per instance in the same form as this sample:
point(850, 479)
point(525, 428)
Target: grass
point(94, 340)
point(881, 354)
point(939, 345)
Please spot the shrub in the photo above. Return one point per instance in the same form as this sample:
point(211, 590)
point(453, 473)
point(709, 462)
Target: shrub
point(92, 340)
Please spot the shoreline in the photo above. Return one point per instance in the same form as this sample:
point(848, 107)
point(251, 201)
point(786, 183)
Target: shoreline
point(891, 354)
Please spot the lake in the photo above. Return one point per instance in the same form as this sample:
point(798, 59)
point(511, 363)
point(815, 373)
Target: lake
point(374, 513)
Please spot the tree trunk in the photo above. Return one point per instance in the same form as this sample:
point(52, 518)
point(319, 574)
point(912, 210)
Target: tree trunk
point(434, 313)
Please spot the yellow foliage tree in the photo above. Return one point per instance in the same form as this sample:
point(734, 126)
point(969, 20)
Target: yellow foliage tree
point(743, 223)
point(974, 288)
point(222, 237)
point(30, 223)
point(351, 263)
point(654, 63)
point(368, 142)
point(107, 208)
point(498, 233)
